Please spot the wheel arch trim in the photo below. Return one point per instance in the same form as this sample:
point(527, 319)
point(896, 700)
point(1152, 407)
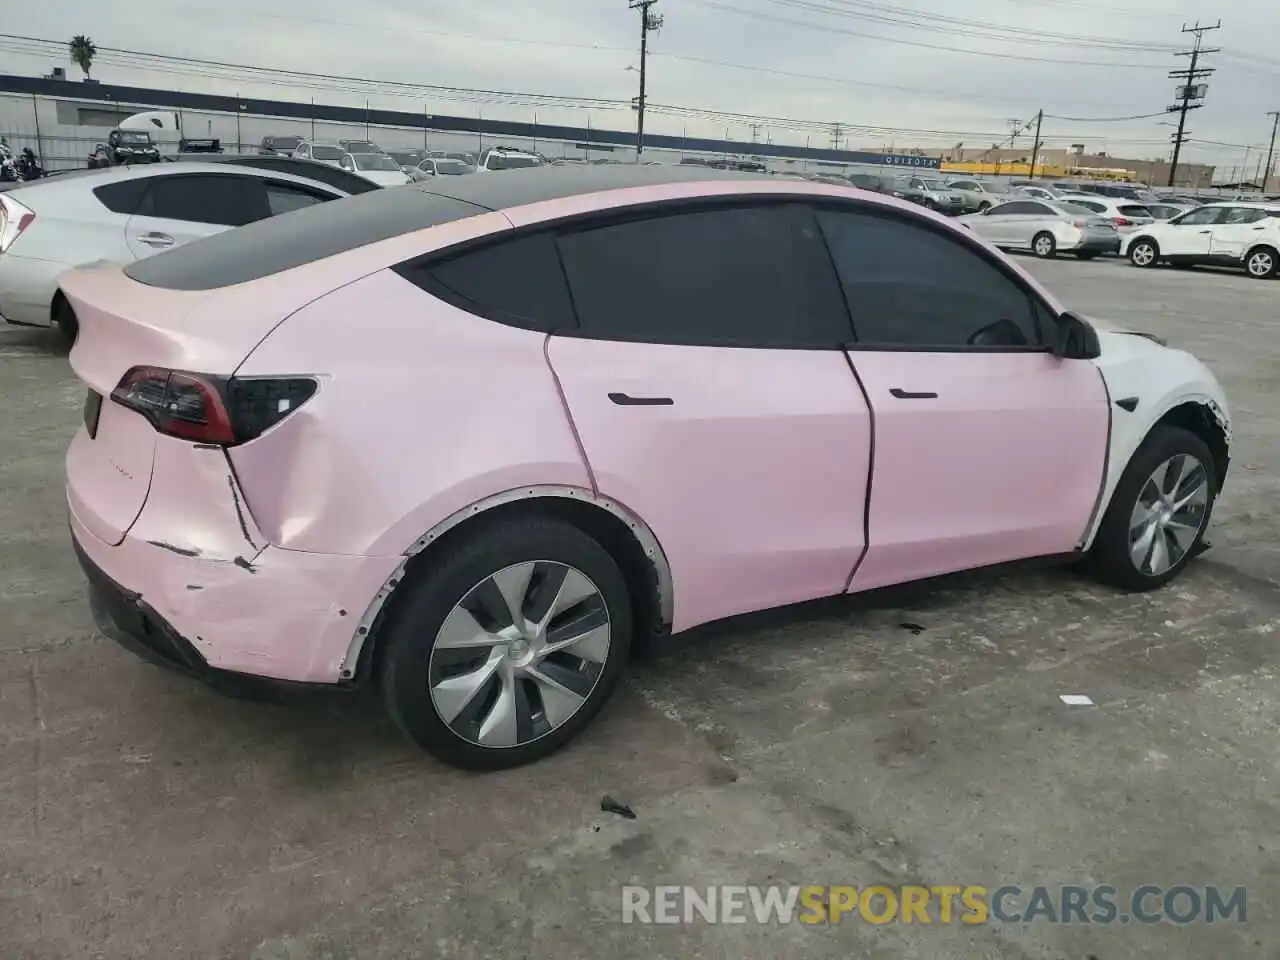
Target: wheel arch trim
point(643, 534)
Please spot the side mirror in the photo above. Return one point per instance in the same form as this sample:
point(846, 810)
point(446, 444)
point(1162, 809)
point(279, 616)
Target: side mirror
point(1077, 340)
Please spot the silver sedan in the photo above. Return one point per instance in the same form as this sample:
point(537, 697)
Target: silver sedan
point(1045, 227)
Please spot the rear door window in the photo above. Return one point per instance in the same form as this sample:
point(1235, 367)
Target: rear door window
point(226, 200)
point(286, 197)
point(743, 276)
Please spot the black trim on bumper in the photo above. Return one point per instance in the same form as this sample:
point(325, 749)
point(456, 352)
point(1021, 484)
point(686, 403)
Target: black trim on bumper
point(1099, 245)
point(121, 615)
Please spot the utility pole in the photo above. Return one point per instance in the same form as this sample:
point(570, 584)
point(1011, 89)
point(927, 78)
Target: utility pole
point(1035, 146)
point(1191, 94)
point(837, 132)
point(1266, 168)
point(1015, 129)
point(649, 22)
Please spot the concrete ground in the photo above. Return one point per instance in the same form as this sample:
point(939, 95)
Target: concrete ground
point(141, 815)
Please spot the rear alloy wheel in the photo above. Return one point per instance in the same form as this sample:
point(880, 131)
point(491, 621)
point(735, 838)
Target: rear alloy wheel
point(1261, 263)
point(508, 646)
point(1043, 245)
point(1158, 513)
point(1143, 253)
point(64, 319)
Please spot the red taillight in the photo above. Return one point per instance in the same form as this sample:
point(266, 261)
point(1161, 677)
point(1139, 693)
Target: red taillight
point(1121, 222)
point(1081, 224)
point(209, 409)
point(14, 219)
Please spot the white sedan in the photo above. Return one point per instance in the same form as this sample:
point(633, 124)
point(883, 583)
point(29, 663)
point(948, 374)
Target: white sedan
point(378, 167)
point(123, 214)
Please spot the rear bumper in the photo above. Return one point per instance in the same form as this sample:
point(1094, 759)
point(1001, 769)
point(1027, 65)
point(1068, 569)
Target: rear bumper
point(270, 614)
point(124, 617)
point(1091, 244)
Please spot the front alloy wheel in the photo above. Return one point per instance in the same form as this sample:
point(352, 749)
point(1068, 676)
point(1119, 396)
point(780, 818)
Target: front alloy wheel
point(1158, 513)
point(519, 655)
point(1169, 515)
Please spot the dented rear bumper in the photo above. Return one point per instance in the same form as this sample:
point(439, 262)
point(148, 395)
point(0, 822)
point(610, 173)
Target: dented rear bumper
point(194, 583)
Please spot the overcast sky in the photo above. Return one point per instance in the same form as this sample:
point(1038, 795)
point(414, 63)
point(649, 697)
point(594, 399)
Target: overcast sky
point(901, 73)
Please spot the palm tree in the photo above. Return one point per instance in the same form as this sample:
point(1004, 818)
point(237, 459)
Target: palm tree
point(82, 52)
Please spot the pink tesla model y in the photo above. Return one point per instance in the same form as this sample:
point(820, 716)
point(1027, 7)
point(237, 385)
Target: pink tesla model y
point(466, 440)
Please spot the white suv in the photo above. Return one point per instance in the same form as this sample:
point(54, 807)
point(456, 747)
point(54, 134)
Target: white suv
point(1245, 235)
point(505, 158)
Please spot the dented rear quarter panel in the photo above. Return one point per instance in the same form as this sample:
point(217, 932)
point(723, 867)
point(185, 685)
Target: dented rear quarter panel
point(422, 410)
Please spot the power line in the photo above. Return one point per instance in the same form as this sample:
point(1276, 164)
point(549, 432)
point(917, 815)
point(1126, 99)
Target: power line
point(1136, 116)
point(824, 28)
point(1191, 93)
point(978, 29)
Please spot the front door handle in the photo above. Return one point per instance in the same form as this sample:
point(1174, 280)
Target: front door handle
point(1206, 231)
point(909, 395)
point(157, 239)
point(625, 400)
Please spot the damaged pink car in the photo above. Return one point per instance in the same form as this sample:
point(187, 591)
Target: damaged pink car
point(466, 441)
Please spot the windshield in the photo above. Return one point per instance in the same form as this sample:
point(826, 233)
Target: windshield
point(374, 161)
point(406, 159)
point(454, 168)
point(1076, 211)
point(360, 146)
point(932, 184)
point(284, 143)
point(135, 138)
point(326, 153)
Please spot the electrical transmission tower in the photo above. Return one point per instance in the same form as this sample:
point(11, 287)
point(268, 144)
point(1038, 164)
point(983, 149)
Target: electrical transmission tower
point(649, 23)
point(837, 133)
point(1190, 94)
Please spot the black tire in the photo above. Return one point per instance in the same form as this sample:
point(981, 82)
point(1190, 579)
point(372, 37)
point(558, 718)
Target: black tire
point(1043, 245)
point(410, 634)
point(1152, 248)
point(64, 319)
point(1109, 559)
point(984, 205)
point(1266, 261)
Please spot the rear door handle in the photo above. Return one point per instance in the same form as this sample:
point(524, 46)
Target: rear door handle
point(625, 400)
point(157, 239)
point(909, 395)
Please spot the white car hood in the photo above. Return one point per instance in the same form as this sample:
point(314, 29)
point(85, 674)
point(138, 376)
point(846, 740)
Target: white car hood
point(385, 178)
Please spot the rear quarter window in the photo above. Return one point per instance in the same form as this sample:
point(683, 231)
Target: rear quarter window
point(518, 282)
point(124, 196)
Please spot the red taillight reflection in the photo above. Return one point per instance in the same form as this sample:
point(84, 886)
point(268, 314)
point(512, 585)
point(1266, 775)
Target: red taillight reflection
point(178, 404)
point(1121, 222)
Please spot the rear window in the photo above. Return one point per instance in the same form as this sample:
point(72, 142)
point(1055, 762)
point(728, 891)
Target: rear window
point(277, 244)
point(1134, 210)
